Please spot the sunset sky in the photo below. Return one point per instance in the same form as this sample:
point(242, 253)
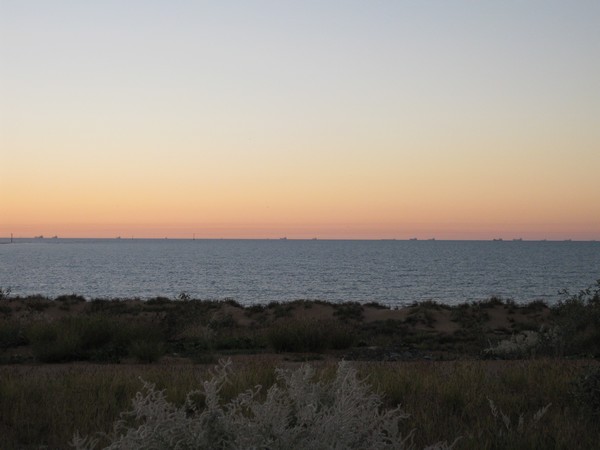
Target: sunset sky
point(329, 119)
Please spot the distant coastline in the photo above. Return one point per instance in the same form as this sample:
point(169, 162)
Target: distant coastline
point(41, 238)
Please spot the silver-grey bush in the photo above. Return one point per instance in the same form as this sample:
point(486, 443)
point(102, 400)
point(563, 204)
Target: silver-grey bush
point(298, 412)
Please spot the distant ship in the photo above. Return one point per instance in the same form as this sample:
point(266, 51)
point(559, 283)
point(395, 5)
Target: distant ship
point(413, 239)
point(283, 239)
point(518, 239)
point(497, 240)
point(41, 236)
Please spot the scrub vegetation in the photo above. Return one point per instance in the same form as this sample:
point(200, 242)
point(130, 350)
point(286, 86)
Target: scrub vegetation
point(297, 411)
point(494, 374)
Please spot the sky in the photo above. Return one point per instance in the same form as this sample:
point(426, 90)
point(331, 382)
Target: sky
point(329, 119)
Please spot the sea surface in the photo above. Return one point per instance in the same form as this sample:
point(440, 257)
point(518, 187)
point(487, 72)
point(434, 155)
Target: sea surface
point(394, 273)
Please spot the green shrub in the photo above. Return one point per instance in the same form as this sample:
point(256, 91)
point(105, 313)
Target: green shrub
point(232, 302)
point(54, 342)
point(11, 335)
point(255, 309)
point(5, 293)
point(160, 301)
point(376, 305)
point(147, 351)
point(340, 337)
point(70, 299)
point(577, 318)
point(526, 344)
point(96, 338)
point(586, 390)
point(349, 311)
point(309, 336)
point(38, 304)
point(298, 336)
point(281, 309)
point(108, 306)
point(222, 321)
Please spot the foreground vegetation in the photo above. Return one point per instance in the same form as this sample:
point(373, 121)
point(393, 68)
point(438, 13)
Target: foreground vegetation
point(494, 374)
point(47, 405)
point(296, 412)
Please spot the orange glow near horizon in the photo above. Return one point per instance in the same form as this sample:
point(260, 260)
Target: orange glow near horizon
point(386, 121)
point(445, 202)
point(353, 198)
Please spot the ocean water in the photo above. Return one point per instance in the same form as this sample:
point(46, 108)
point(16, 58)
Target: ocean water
point(395, 273)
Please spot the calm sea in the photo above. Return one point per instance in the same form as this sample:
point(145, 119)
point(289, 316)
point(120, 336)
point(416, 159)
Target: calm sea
point(258, 271)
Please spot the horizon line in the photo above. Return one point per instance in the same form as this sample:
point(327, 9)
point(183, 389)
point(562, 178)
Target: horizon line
point(285, 238)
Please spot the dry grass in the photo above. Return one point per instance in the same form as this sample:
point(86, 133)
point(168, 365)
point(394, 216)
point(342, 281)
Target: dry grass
point(45, 405)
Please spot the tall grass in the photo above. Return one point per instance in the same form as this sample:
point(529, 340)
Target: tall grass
point(310, 336)
point(452, 398)
point(298, 411)
point(95, 337)
point(46, 405)
point(577, 317)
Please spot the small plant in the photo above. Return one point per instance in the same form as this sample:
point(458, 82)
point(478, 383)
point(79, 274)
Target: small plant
point(159, 301)
point(70, 299)
point(255, 309)
point(93, 338)
point(38, 304)
point(184, 297)
point(491, 302)
point(5, 293)
point(507, 427)
point(349, 311)
point(528, 343)
point(281, 309)
point(432, 304)
point(220, 320)
point(536, 305)
point(53, 343)
point(108, 306)
point(232, 302)
point(310, 336)
point(577, 317)
point(340, 337)
point(11, 335)
point(421, 315)
point(376, 305)
point(297, 412)
point(586, 390)
point(298, 336)
point(147, 351)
